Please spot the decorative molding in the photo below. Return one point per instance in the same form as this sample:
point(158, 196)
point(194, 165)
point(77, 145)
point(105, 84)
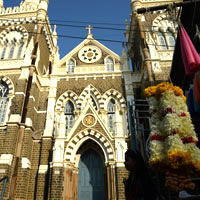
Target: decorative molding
point(26, 163)
point(89, 120)
point(113, 93)
point(43, 169)
point(9, 83)
point(84, 135)
point(62, 99)
point(6, 159)
point(15, 118)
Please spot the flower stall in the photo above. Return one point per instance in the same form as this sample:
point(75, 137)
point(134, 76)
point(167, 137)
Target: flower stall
point(173, 139)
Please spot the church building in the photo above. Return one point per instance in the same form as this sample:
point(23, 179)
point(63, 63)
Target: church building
point(64, 123)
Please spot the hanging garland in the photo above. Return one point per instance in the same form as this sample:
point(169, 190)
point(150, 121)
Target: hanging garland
point(172, 139)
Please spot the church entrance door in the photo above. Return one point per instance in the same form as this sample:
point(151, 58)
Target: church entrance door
point(91, 176)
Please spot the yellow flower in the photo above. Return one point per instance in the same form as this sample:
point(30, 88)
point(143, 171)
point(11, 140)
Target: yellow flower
point(178, 159)
point(150, 91)
point(161, 88)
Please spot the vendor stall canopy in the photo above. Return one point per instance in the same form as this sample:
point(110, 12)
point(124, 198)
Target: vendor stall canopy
point(190, 18)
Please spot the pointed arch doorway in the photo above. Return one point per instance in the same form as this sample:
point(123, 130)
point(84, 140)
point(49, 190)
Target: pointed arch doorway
point(91, 176)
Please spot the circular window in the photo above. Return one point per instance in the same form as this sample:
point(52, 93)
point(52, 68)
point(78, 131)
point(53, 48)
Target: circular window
point(89, 54)
point(89, 120)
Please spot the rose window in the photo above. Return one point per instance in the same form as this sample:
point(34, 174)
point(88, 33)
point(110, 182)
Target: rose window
point(89, 54)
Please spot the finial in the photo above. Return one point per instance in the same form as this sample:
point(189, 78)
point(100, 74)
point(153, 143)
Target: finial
point(1, 3)
point(54, 28)
point(89, 28)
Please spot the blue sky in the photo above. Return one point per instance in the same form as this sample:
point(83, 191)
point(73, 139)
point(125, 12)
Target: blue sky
point(75, 12)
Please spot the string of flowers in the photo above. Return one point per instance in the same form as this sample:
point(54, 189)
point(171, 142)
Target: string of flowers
point(178, 183)
point(173, 139)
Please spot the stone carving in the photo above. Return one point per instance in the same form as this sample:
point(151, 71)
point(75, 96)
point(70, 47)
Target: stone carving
point(166, 55)
point(89, 120)
point(58, 152)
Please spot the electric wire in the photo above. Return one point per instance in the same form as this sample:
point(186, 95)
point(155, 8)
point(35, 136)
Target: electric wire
point(96, 27)
point(105, 40)
point(99, 39)
point(88, 22)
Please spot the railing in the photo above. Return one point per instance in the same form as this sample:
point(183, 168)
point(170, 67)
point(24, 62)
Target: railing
point(5, 179)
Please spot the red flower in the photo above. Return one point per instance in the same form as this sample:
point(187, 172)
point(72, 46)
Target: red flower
point(182, 115)
point(156, 137)
point(189, 140)
point(173, 132)
point(169, 110)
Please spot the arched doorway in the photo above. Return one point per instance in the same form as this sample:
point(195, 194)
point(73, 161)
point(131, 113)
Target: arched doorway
point(91, 176)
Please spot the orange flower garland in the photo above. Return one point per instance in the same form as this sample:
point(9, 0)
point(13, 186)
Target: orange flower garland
point(172, 139)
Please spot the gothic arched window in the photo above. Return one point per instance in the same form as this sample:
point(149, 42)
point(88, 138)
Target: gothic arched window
point(3, 100)
point(171, 40)
point(69, 113)
point(111, 114)
point(12, 48)
point(21, 44)
point(109, 64)
point(5, 45)
point(162, 39)
point(71, 66)
point(94, 103)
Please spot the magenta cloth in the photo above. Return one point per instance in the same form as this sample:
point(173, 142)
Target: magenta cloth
point(191, 58)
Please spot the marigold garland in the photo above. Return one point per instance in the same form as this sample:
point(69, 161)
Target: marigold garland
point(178, 183)
point(173, 139)
point(162, 87)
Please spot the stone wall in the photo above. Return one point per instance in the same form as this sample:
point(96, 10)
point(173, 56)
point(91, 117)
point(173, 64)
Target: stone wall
point(121, 173)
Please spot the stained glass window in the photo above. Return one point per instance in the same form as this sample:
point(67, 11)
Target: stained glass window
point(162, 39)
point(5, 45)
point(71, 66)
point(69, 113)
point(109, 64)
point(3, 100)
point(21, 44)
point(171, 40)
point(12, 48)
point(111, 114)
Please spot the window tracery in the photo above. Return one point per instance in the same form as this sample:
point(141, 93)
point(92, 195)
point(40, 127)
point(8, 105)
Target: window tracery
point(12, 42)
point(4, 91)
point(171, 39)
point(12, 48)
point(21, 44)
point(5, 45)
point(111, 114)
point(109, 64)
point(162, 39)
point(71, 66)
point(165, 32)
point(69, 115)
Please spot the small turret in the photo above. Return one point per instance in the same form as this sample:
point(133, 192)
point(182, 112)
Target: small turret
point(31, 2)
point(55, 36)
point(124, 59)
point(42, 10)
point(1, 4)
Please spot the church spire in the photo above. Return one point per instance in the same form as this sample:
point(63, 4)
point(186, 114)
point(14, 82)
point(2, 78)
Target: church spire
point(124, 59)
point(89, 35)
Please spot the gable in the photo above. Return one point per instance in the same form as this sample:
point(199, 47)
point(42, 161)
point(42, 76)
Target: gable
point(81, 54)
point(89, 119)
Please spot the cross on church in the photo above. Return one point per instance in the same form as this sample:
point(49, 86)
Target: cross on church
point(89, 28)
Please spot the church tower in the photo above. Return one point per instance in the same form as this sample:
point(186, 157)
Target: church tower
point(151, 39)
point(26, 59)
point(64, 123)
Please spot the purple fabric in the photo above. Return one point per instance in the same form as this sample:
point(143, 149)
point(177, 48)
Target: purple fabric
point(191, 58)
